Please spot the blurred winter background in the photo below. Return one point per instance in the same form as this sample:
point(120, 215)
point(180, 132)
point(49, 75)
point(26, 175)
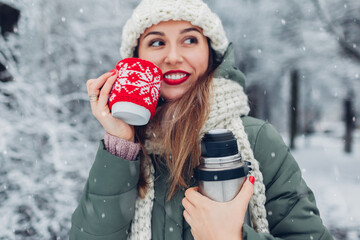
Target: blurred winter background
point(301, 59)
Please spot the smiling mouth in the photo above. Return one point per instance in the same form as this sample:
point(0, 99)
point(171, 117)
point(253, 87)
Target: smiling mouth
point(175, 77)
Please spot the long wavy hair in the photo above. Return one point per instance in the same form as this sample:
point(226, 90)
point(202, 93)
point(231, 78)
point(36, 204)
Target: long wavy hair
point(176, 126)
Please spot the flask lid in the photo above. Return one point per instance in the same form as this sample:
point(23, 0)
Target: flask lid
point(219, 143)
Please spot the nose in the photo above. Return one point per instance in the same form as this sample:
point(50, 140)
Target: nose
point(173, 56)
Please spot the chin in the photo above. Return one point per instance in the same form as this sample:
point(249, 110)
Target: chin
point(171, 92)
point(172, 95)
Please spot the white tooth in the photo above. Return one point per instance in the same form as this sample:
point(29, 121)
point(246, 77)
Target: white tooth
point(175, 76)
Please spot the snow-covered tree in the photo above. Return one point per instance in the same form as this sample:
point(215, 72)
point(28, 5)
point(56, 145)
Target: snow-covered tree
point(49, 135)
point(274, 37)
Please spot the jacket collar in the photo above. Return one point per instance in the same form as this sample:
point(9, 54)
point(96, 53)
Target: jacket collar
point(227, 69)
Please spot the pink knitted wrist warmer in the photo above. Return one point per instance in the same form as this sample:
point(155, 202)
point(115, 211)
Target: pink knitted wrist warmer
point(121, 148)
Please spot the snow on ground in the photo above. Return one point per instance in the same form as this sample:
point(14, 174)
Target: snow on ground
point(334, 177)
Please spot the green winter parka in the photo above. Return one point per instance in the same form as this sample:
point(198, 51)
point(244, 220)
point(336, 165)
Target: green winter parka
point(106, 208)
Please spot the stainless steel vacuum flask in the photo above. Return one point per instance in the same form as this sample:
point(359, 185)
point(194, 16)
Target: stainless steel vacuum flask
point(221, 172)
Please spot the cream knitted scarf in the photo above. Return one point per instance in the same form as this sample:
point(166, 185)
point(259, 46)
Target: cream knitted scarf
point(228, 104)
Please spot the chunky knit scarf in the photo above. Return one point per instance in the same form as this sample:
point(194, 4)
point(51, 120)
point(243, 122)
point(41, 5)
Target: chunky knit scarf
point(228, 104)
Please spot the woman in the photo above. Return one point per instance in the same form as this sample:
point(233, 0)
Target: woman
point(150, 193)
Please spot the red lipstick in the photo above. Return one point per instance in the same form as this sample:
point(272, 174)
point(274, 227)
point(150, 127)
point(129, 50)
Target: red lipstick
point(175, 77)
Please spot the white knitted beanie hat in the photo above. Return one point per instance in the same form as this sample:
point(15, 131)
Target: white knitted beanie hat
point(151, 12)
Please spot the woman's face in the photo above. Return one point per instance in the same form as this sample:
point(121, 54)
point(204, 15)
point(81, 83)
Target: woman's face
point(180, 50)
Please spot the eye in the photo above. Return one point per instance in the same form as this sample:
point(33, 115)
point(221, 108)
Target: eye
point(156, 43)
point(190, 40)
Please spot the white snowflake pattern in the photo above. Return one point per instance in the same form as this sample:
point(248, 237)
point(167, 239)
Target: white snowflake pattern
point(146, 82)
point(112, 97)
point(117, 86)
point(122, 68)
point(140, 66)
point(155, 90)
point(147, 100)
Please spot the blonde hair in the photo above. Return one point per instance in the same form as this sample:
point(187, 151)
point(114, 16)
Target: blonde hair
point(176, 126)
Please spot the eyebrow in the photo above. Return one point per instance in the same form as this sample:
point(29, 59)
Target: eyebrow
point(154, 33)
point(163, 34)
point(189, 30)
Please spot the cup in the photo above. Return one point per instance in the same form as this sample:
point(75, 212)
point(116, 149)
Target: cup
point(135, 93)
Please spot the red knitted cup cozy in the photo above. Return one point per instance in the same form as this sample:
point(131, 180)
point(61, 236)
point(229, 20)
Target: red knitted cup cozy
point(138, 83)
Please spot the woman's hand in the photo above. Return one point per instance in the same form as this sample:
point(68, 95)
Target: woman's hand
point(212, 220)
point(98, 91)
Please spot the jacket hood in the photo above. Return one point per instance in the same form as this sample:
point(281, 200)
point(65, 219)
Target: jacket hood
point(227, 68)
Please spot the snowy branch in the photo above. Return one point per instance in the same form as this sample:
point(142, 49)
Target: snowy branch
point(347, 47)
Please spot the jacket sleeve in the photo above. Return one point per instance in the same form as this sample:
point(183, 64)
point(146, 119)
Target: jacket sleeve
point(107, 205)
point(290, 204)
